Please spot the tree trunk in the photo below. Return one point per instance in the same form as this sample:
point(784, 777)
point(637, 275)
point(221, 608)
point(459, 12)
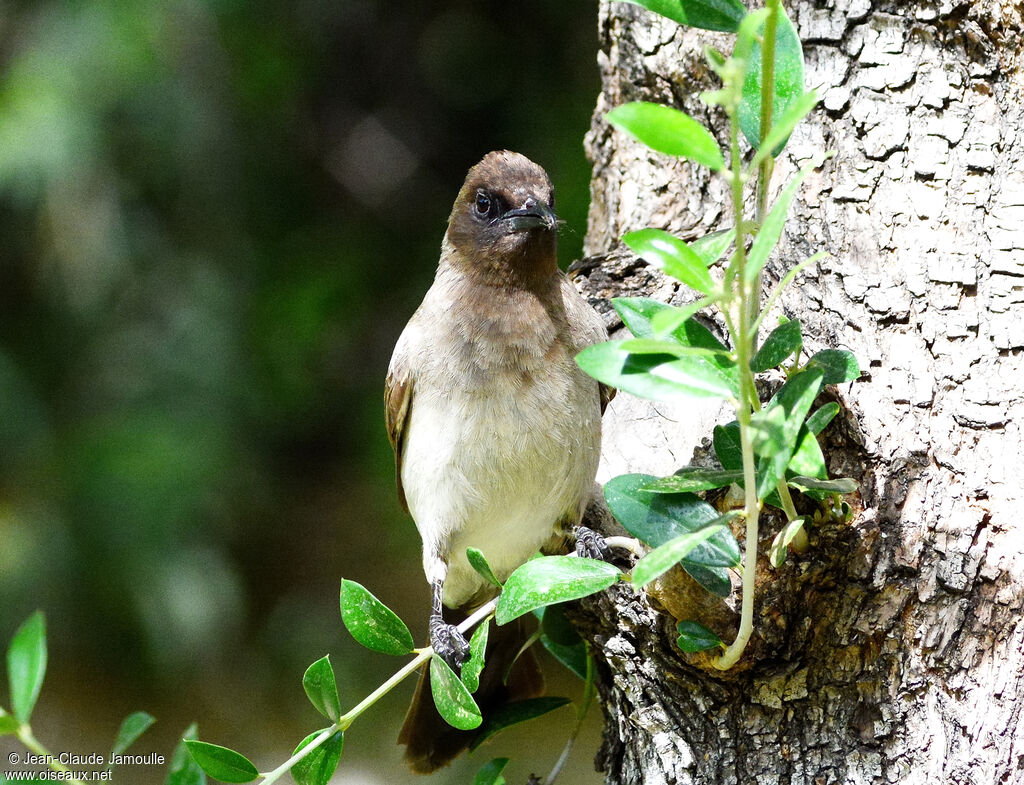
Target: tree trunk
point(892, 650)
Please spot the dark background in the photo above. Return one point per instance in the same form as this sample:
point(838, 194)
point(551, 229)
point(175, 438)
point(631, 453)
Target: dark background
point(215, 218)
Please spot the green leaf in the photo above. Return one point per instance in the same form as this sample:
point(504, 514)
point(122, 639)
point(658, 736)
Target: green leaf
point(838, 485)
point(722, 15)
point(789, 80)
point(658, 518)
point(838, 365)
point(322, 688)
point(694, 637)
point(183, 770)
point(490, 773)
point(221, 763)
point(514, 713)
point(783, 126)
point(669, 131)
point(478, 562)
point(665, 557)
point(562, 640)
point(670, 254)
point(319, 766)
point(551, 579)
point(781, 343)
point(788, 408)
point(817, 422)
point(694, 478)
point(477, 652)
point(133, 726)
point(452, 699)
point(26, 665)
point(779, 549)
point(710, 247)
point(372, 623)
point(768, 235)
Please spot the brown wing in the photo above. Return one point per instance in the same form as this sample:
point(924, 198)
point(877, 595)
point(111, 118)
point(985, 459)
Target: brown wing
point(398, 404)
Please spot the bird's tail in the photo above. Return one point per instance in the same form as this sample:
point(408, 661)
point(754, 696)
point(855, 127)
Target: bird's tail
point(430, 742)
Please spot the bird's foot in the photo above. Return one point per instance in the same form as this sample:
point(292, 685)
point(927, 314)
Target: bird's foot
point(591, 545)
point(448, 643)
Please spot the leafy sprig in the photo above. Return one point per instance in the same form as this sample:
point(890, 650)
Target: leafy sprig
point(27, 657)
point(769, 449)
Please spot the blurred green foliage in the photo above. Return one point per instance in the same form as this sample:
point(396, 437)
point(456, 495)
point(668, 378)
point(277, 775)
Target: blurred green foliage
point(216, 216)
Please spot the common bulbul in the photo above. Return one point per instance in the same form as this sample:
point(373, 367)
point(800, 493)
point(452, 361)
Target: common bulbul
point(496, 430)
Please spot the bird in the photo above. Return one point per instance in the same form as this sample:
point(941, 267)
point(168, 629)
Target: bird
point(496, 430)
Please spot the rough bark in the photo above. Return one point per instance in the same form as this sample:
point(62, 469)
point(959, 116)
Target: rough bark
point(893, 649)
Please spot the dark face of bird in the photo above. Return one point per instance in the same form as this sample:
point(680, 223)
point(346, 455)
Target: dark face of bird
point(503, 224)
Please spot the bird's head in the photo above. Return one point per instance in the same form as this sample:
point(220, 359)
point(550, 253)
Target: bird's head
point(503, 223)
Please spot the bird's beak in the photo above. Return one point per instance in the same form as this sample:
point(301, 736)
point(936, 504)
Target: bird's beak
point(532, 215)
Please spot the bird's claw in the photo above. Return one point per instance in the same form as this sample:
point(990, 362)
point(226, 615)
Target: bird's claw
point(449, 644)
point(591, 545)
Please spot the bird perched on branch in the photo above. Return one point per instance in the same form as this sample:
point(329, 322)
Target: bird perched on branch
point(496, 430)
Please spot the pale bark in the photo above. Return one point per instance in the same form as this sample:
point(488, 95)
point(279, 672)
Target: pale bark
point(893, 649)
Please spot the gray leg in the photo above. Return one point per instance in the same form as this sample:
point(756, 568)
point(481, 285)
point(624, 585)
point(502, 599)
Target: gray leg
point(449, 644)
point(590, 544)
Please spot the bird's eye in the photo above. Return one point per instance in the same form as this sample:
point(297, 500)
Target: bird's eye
point(483, 204)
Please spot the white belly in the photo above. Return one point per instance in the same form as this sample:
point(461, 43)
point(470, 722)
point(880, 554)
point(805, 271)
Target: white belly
point(497, 471)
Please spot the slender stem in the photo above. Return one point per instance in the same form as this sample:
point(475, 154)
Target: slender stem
point(735, 650)
point(32, 743)
point(764, 173)
point(349, 717)
point(752, 506)
point(748, 402)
